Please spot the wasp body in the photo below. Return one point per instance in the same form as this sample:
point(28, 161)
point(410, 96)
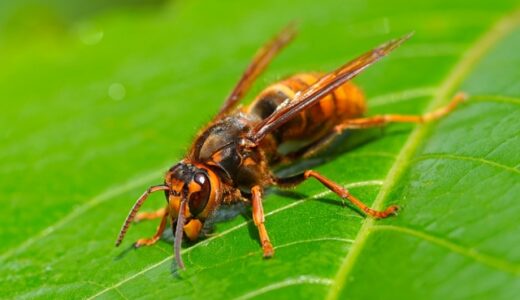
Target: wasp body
point(232, 158)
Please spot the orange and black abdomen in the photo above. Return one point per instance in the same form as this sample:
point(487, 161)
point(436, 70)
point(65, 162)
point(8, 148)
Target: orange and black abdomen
point(345, 102)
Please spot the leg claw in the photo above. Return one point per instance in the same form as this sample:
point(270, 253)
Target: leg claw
point(392, 210)
point(268, 249)
point(144, 242)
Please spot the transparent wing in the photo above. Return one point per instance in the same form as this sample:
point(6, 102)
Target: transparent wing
point(260, 62)
point(321, 88)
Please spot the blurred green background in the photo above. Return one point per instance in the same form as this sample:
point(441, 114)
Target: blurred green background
point(99, 98)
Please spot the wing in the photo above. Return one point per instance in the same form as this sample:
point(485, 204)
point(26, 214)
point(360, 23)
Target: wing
point(261, 60)
point(321, 88)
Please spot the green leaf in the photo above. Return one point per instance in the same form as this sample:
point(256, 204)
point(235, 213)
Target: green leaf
point(93, 113)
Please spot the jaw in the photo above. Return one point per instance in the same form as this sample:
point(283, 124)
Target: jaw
point(192, 229)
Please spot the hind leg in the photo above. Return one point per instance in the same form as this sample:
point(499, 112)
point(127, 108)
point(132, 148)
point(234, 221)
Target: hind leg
point(376, 121)
point(383, 120)
point(338, 190)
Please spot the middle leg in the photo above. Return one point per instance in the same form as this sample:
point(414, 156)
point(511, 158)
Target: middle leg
point(338, 190)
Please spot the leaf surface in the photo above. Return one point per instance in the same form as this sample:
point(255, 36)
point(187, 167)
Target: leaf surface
point(89, 126)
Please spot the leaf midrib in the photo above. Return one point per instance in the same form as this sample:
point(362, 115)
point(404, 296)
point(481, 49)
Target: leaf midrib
point(461, 69)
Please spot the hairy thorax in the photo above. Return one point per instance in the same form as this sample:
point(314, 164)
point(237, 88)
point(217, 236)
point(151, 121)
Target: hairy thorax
point(219, 146)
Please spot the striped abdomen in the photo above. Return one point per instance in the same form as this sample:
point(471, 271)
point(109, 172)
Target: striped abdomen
point(345, 102)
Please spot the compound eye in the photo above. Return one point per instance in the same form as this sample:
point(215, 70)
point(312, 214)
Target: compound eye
point(198, 200)
point(200, 178)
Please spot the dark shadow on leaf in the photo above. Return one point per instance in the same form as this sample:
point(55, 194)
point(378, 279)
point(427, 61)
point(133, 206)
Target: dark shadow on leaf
point(329, 201)
point(289, 194)
point(225, 213)
point(175, 270)
point(124, 252)
point(345, 142)
point(342, 205)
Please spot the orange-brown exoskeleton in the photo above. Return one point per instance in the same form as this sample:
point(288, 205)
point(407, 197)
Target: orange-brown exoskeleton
point(232, 157)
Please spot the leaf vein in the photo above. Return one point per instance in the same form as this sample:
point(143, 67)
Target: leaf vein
point(400, 96)
point(495, 98)
point(279, 246)
point(483, 258)
point(336, 239)
point(465, 158)
point(303, 279)
point(108, 194)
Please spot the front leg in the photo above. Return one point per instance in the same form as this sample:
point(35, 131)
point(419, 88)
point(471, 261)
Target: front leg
point(150, 215)
point(158, 233)
point(259, 219)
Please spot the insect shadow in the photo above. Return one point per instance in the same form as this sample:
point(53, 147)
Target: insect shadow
point(124, 252)
point(340, 145)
